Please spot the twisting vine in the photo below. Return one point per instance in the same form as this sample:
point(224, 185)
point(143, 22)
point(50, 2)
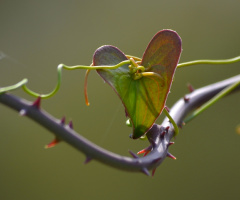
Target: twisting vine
point(159, 135)
point(155, 70)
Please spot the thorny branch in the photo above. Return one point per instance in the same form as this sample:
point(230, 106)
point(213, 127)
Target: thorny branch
point(159, 136)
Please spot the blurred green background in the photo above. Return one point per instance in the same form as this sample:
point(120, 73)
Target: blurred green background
point(36, 36)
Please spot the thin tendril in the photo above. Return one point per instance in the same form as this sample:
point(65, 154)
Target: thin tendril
point(134, 57)
point(172, 121)
point(59, 70)
point(212, 62)
point(220, 95)
point(13, 87)
point(85, 87)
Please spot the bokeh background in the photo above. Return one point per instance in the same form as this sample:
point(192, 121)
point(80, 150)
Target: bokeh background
point(36, 36)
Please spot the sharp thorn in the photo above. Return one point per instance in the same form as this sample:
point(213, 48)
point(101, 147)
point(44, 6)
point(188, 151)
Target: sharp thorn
point(153, 171)
point(167, 128)
point(167, 108)
point(145, 171)
point(70, 124)
point(170, 143)
point(62, 122)
point(88, 159)
point(23, 112)
point(190, 88)
point(163, 134)
point(171, 156)
point(37, 103)
point(146, 150)
point(132, 154)
point(53, 143)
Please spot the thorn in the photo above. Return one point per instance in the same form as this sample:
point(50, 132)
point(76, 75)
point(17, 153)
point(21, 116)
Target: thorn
point(23, 112)
point(133, 154)
point(167, 128)
point(62, 122)
point(167, 108)
point(153, 171)
point(70, 124)
point(88, 159)
point(163, 134)
point(37, 103)
point(145, 171)
point(53, 143)
point(171, 156)
point(186, 99)
point(170, 143)
point(190, 88)
point(146, 150)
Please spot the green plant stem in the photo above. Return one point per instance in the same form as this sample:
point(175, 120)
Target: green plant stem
point(172, 121)
point(13, 87)
point(59, 70)
point(212, 62)
point(220, 95)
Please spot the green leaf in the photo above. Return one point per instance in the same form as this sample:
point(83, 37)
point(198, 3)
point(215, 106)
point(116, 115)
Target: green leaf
point(144, 98)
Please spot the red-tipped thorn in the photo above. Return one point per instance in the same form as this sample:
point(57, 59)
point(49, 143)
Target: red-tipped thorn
point(153, 171)
point(70, 124)
point(52, 144)
point(190, 88)
point(132, 154)
point(170, 143)
point(145, 171)
point(186, 99)
point(37, 103)
point(167, 108)
point(163, 134)
point(88, 159)
point(171, 156)
point(167, 128)
point(23, 112)
point(146, 150)
point(62, 122)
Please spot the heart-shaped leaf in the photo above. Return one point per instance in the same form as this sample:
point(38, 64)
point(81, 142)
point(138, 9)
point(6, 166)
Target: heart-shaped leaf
point(143, 98)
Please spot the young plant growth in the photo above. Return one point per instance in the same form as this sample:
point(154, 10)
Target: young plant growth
point(142, 85)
